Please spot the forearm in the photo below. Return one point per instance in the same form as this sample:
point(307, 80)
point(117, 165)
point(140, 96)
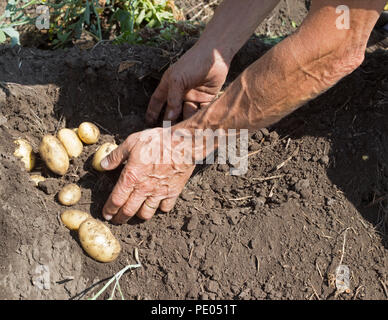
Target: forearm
point(295, 71)
point(232, 25)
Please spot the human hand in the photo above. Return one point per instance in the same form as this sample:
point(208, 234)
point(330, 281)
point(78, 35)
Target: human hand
point(146, 183)
point(191, 83)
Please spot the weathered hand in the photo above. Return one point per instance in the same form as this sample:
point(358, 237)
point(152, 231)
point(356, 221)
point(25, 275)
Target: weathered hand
point(146, 183)
point(191, 83)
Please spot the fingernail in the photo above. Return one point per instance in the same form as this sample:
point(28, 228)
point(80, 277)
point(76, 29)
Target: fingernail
point(108, 217)
point(104, 163)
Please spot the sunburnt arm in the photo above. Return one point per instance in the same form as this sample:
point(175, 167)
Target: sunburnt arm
point(196, 78)
point(232, 25)
point(295, 71)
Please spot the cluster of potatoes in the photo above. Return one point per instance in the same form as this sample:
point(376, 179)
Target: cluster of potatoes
point(96, 238)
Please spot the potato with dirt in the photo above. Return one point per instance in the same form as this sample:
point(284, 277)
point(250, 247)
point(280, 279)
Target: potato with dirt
point(71, 142)
point(88, 132)
point(101, 153)
point(36, 178)
point(25, 153)
point(98, 241)
point(54, 154)
point(69, 195)
point(72, 219)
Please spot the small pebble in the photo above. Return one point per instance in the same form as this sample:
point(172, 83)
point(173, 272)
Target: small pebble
point(265, 132)
point(193, 223)
point(324, 160)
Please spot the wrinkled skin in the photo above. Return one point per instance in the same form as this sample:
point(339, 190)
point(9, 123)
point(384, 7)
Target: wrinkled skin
point(143, 188)
point(298, 69)
point(191, 83)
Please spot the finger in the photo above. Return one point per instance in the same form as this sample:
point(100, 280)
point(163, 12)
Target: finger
point(116, 157)
point(158, 99)
point(120, 193)
point(174, 101)
point(199, 96)
point(130, 208)
point(168, 204)
point(189, 109)
point(148, 208)
point(204, 105)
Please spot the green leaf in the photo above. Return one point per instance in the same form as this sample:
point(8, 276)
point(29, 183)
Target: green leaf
point(93, 29)
point(99, 33)
point(78, 29)
point(152, 23)
point(149, 15)
point(13, 34)
point(124, 18)
point(140, 17)
point(87, 13)
point(164, 14)
point(63, 37)
point(2, 36)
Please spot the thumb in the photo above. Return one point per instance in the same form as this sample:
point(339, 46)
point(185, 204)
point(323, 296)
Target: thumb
point(116, 157)
point(174, 102)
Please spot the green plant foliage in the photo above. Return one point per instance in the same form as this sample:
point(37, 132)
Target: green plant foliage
point(72, 17)
point(121, 20)
point(14, 16)
point(69, 18)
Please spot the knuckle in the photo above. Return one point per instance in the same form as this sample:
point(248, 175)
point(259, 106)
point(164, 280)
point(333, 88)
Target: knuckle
point(128, 210)
point(167, 205)
point(113, 157)
point(117, 200)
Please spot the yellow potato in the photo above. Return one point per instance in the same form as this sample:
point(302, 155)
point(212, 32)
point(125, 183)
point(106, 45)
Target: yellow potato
point(72, 219)
point(24, 152)
point(71, 142)
point(35, 178)
point(88, 132)
point(98, 241)
point(101, 153)
point(54, 155)
point(69, 195)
